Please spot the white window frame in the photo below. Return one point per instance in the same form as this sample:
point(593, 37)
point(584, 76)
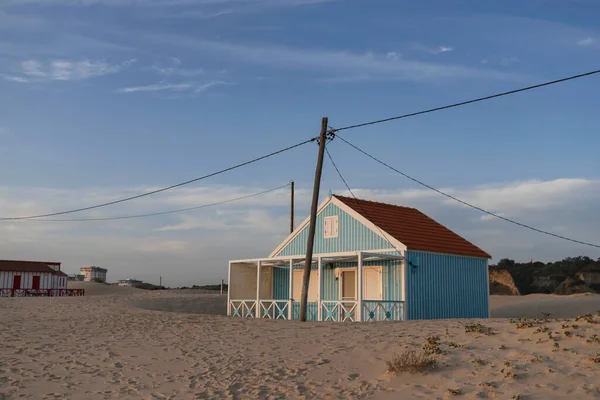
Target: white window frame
point(331, 227)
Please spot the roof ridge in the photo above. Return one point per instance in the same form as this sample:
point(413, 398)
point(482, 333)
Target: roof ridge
point(375, 202)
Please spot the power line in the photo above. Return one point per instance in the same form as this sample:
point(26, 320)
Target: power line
point(163, 189)
point(162, 212)
point(357, 201)
point(464, 202)
point(469, 101)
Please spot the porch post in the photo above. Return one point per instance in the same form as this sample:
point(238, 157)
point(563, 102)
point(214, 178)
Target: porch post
point(319, 288)
point(290, 297)
point(257, 309)
point(229, 290)
point(360, 288)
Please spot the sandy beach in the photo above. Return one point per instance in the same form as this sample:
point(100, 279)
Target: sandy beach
point(129, 344)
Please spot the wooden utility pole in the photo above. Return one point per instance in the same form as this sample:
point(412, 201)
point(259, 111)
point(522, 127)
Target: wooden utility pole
point(313, 220)
point(160, 284)
point(292, 209)
point(221, 286)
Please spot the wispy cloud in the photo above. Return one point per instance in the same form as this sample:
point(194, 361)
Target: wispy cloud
point(175, 69)
point(12, 78)
point(587, 42)
point(164, 3)
point(434, 50)
point(173, 87)
point(369, 65)
point(65, 70)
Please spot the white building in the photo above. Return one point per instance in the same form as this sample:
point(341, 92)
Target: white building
point(33, 278)
point(93, 273)
point(129, 282)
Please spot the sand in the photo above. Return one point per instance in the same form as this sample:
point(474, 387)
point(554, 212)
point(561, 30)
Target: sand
point(120, 345)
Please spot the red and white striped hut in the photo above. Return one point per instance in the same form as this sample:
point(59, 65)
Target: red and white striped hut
point(33, 278)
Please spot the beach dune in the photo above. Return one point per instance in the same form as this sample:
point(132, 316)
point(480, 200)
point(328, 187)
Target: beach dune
point(129, 344)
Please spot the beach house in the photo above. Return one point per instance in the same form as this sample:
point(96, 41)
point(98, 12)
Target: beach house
point(372, 262)
point(33, 278)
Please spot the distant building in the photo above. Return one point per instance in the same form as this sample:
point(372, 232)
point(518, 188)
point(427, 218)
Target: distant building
point(76, 277)
point(129, 282)
point(93, 273)
point(32, 278)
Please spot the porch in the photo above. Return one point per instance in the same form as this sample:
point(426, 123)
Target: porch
point(353, 286)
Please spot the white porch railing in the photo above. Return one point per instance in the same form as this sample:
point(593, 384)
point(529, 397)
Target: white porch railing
point(339, 311)
point(274, 309)
point(243, 308)
point(382, 310)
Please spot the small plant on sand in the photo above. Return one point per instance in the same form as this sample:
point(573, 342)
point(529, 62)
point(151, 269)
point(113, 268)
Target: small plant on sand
point(516, 397)
point(432, 346)
point(477, 361)
point(509, 374)
point(457, 346)
point(486, 330)
point(556, 346)
point(488, 384)
point(411, 362)
point(568, 333)
point(542, 329)
point(502, 347)
point(595, 359)
point(454, 392)
point(508, 371)
point(589, 318)
point(537, 359)
point(574, 326)
point(594, 339)
point(550, 370)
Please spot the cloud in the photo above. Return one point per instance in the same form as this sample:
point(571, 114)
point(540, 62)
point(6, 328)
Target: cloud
point(66, 70)
point(587, 42)
point(368, 65)
point(196, 246)
point(173, 87)
point(16, 79)
point(165, 3)
point(434, 50)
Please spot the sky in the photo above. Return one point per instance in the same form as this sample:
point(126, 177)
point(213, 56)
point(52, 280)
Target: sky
point(104, 99)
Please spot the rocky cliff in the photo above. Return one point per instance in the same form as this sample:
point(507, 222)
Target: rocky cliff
point(502, 283)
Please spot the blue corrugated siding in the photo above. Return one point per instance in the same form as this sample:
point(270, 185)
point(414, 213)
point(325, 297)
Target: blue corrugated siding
point(352, 236)
point(281, 283)
point(446, 286)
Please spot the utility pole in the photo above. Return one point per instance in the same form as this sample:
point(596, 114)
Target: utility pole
point(221, 286)
point(292, 209)
point(160, 284)
point(313, 220)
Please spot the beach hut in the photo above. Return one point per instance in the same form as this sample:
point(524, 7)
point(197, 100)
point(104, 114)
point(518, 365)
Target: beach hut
point(372, 262)
point(33, 278)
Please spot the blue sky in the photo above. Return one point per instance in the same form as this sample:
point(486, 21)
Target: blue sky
point(104, 98)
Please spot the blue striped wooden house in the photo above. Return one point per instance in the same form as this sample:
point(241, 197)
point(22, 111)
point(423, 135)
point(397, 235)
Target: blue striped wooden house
point(372, 262)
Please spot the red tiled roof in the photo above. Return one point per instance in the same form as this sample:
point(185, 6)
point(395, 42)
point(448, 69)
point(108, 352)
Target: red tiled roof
point(413, 228)
point(27, 266)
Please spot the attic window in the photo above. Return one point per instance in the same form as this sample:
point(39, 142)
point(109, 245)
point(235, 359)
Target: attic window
point(331, 227)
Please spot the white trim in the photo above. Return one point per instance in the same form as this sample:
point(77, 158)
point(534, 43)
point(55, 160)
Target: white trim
point(292, 235)
point(405, 286)
point(282, 261)
point(350, 211)
point(449, 254)
point(291, 291)
point(258, 268)
point(360, 287)
point(319, 287)
point(487, 276)
point(229, 290)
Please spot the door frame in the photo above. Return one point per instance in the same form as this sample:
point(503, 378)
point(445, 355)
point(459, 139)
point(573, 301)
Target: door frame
point(341, 280)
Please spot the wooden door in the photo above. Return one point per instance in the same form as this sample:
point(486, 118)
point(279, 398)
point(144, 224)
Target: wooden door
point(35, 284)
point(372, 288)
point(349, 285)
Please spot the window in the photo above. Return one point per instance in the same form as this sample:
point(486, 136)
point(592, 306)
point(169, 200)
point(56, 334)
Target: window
point(331, 227)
